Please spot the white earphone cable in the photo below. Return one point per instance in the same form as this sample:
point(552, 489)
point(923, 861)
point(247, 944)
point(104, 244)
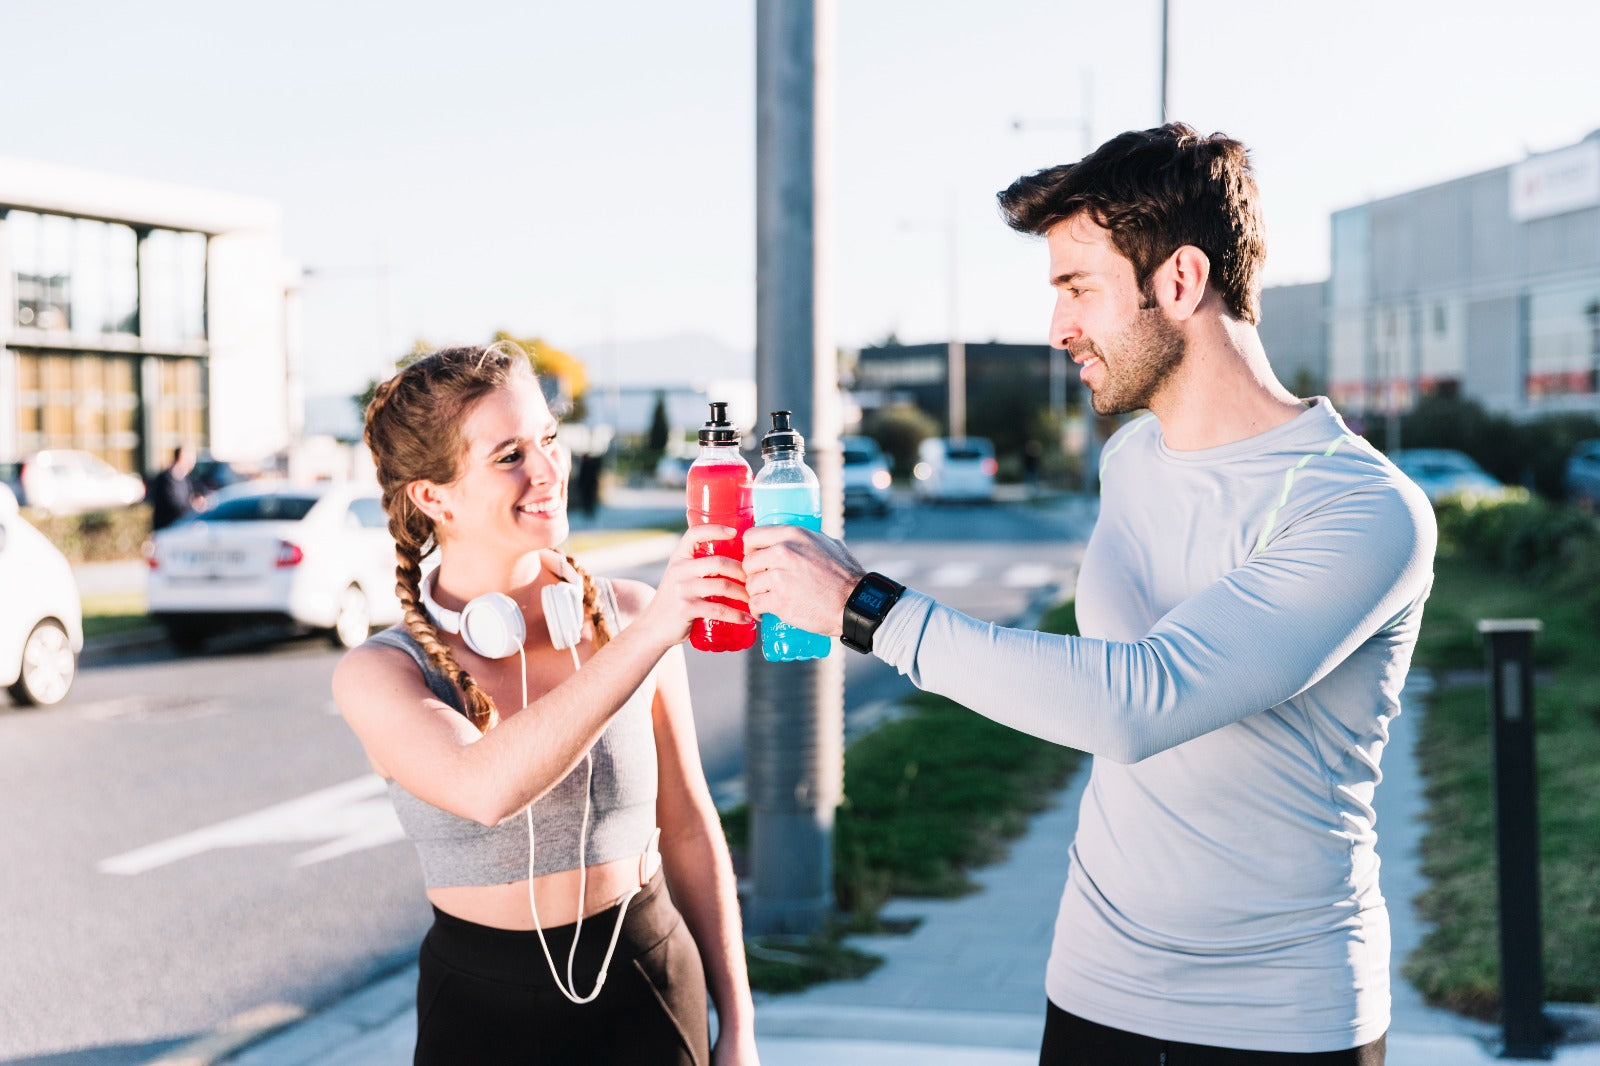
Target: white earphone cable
point(570, 987)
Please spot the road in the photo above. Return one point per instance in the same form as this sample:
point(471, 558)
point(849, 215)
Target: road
point(189, 839)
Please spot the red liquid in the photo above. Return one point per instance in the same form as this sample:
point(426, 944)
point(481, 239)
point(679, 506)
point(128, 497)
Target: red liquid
point(719, 494)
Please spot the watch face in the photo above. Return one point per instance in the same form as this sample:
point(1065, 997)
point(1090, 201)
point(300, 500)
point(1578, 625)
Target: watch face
point(871, 599)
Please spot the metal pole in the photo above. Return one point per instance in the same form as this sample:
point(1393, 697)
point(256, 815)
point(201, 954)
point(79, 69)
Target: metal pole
point(794, 726)
point(1166, 27)
point(956, 369)
point(1516, 804)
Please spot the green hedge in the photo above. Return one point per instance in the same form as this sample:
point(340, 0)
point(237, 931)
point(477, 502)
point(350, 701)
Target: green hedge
point(99, 536)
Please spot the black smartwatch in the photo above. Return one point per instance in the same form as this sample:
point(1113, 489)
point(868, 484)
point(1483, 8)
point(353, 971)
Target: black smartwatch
point(864, 611)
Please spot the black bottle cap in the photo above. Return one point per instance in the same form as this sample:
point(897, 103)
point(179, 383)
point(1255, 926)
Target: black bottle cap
point(782, 436)
point(719, 430)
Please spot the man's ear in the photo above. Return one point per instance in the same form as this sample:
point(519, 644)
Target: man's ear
point(1180, 282)
point(429, 498)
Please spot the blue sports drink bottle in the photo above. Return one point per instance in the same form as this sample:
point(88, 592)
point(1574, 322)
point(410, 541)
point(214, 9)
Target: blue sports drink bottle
point(786, 493)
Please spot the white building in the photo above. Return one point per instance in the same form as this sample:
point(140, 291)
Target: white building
point(135, 316)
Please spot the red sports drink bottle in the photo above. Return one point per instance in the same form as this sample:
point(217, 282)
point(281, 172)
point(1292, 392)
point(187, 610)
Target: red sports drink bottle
point(719, 494)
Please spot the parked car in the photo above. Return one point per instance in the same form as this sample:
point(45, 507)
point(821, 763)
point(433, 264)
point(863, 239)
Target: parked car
point(1583, 476)
point(866, 476)
point(1442, 472)
point(955, 468)
point(66, 481)
point(41, 616)
point(211, 474)
point(307, 556)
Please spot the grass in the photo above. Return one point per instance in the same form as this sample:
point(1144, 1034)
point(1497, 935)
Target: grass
point(1457, 965)
point(928, 797)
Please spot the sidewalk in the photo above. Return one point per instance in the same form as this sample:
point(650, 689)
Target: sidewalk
point(967, 987)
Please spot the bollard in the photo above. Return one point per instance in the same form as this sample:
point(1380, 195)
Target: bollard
point(1525, 1032)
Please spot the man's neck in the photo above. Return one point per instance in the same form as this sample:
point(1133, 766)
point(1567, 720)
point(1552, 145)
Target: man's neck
point(1225, 390)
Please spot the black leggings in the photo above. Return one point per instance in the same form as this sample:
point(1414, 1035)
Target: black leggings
point(485, 995)
point(1072, 1041)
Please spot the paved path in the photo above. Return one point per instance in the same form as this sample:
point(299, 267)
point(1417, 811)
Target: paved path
point(966, 987)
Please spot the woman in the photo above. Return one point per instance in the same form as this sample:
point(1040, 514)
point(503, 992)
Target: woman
point(530, 786)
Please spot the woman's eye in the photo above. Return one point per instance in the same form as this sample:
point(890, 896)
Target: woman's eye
point(550, 440)
point(511, 458)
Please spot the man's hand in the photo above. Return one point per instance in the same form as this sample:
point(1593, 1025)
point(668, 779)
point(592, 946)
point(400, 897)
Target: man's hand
point(801, 576)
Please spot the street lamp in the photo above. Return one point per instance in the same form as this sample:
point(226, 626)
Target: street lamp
point(956, 349)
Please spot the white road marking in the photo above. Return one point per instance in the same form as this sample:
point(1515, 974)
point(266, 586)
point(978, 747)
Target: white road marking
point(347, 817)
point(1028, 575)
point(953, 576)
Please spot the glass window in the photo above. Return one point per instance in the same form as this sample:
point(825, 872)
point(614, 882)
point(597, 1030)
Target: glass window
point(173, 270)
point(84, 402)
point(368, 512)
point(73, 274)
point(273, 508)
point(1564, 340)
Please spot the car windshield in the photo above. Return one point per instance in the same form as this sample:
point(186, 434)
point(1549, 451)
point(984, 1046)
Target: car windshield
point(857, 456)
point(273, 508)
point(966, 453)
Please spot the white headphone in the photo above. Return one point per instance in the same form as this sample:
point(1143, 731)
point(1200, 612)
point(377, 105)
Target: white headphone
point(493, 626)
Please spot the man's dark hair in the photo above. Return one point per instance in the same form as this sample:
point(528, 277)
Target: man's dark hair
point(1157, 190)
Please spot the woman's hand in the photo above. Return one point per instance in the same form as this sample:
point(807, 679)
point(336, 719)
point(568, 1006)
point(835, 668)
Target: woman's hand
point(735, 1048)
point(688, 583)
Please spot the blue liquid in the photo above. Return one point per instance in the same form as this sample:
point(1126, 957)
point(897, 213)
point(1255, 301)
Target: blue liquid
point(789, 505)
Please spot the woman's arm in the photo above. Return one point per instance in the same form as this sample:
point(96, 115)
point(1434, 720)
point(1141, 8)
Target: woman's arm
point(698, 868)
point(439, 757)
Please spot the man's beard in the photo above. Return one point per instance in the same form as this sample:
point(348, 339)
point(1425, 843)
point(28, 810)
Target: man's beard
point(1142, 357)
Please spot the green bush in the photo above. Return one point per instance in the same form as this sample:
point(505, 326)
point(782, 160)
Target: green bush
point(1521, 535)
point(99, 536)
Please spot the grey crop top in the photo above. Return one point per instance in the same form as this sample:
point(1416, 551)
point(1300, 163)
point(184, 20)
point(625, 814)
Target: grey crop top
point(458, 851)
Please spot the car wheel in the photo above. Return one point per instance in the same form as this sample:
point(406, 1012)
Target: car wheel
point(48, 667)
point(352, 624)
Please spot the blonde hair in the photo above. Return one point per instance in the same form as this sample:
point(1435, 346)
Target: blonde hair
point(413, 430)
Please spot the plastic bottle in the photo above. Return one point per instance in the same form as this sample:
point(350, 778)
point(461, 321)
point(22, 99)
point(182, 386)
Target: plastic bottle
point(786, 493)
point(719, 494)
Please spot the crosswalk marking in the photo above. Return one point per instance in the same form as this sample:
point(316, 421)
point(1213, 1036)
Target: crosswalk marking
point(1028, 575)
point(953, 575)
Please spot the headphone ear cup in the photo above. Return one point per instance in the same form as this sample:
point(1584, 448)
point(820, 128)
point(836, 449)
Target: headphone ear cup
point(492, 625)
point(563, 613)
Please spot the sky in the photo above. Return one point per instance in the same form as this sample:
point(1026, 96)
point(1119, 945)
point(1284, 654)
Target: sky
point(585, 172)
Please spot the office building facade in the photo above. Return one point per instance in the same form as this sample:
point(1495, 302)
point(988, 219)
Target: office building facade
point(1486, 287)
point(138, 316)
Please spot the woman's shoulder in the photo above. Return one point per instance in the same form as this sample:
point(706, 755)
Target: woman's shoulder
point(633, 596)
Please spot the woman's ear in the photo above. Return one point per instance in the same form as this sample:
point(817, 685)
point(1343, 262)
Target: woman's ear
point(430, 499)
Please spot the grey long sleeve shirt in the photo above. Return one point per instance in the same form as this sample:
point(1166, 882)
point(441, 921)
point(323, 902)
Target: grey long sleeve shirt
point(1248, 616)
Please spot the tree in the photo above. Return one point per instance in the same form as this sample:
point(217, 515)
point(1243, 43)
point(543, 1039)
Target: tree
point(660, 430)
point(899, 429)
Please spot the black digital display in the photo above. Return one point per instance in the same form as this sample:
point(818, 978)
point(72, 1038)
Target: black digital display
point(870, 599)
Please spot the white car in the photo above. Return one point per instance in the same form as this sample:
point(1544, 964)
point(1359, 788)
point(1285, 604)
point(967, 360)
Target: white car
point(317, 556)
point(41, 616)
point(866, 476)
point(955, 468)
point(67, 481)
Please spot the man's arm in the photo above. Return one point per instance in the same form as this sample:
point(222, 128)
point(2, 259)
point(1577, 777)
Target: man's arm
point(1258, 636)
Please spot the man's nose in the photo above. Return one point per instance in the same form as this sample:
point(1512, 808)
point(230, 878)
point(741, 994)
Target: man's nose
point(1064, 328)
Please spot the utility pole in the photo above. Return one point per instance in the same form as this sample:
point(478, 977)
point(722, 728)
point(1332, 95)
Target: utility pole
point(956, 367)
point(794, 723)
point(1166, 28)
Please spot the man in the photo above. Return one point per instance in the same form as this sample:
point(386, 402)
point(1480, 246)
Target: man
point(170, 494)
point(1249, 599)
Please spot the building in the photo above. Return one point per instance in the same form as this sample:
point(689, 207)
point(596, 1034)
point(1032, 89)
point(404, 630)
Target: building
point(138, 316)
point(1294, 332)
point(1487, 287)
point(996, 374)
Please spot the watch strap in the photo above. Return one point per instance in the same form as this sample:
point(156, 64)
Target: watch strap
point(865, 609)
